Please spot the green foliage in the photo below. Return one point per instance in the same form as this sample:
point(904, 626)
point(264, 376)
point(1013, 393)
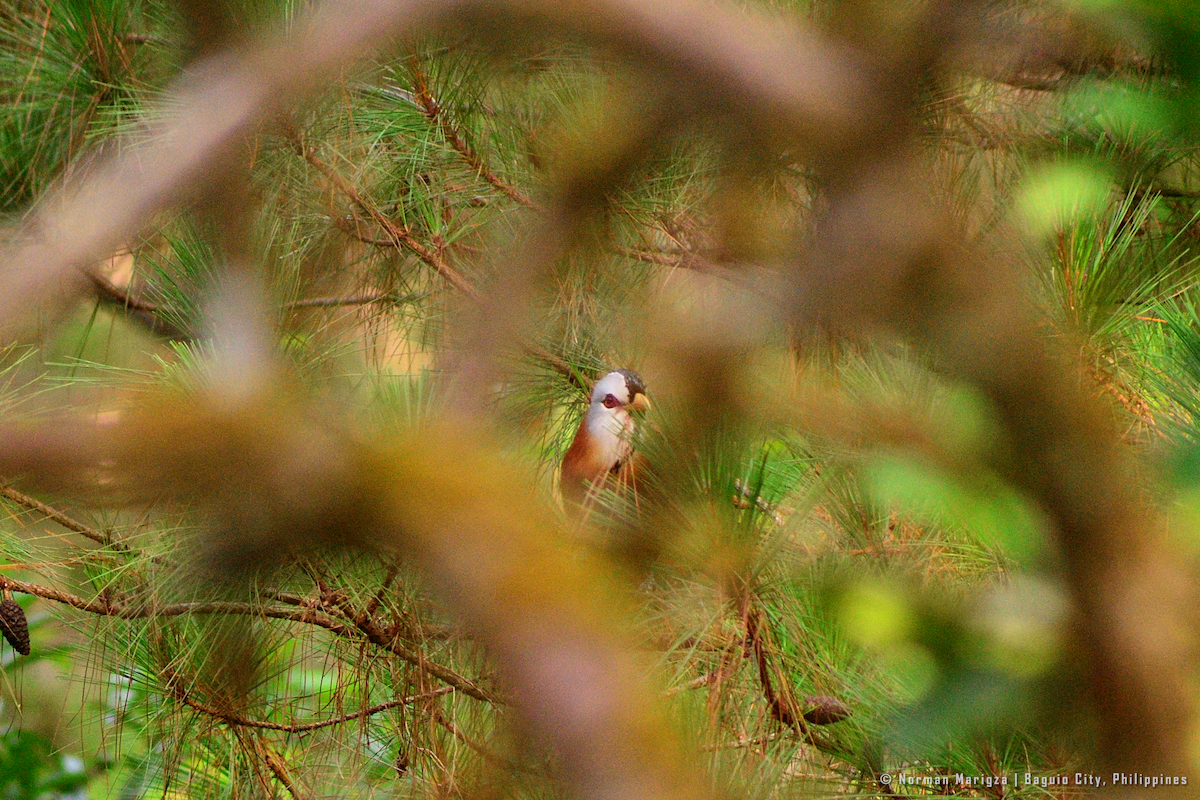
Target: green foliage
point(69, 72)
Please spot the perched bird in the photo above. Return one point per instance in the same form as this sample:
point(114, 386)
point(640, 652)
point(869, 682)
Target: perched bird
point(602, 444)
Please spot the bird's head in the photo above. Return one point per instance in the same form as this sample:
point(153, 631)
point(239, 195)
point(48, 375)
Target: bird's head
point(620, 389)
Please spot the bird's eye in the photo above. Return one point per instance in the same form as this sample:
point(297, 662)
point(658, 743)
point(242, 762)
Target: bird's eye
point(610, 401)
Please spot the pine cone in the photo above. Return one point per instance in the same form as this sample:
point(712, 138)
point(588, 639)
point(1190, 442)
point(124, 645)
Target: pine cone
point(821, 710)
point(14, 626)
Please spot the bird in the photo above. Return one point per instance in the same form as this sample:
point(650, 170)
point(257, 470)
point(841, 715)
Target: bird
point(602, 446)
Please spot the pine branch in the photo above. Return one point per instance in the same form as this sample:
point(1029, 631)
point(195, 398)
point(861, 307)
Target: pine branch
point(487, 753)
point(150, 313)
point(672, 260)
point(401, 235)
point(1113, 387)
point(261, 749)
point(107, 291)
point(253, 747)
point(781, 702)
point(352, 300)
point(109, 606)
point(559, 365)
point(351, 229)
point(387, 640)
point(312, 613)
point(234, 720)
point(725, 667)
point(278, 768)
point(377, 599)
point(434, 113)
point(70, 523)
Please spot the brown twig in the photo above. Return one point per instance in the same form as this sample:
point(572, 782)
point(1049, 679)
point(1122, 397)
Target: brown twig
point(397, 232)
point(350, 227)
point(684, 260)
point(243, 722)
point(389, 642)
point(1114, 388)
point(434, 113)
point(559, 365)
point(68, 522)
point(109, 292)
point(109, 606)
point(251, 745)
point(781, 702)
point(352, 300)
point(576, 378)
point(487, 753)
point(278, 767)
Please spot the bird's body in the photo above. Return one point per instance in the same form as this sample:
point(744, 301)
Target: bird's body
point(602, 444)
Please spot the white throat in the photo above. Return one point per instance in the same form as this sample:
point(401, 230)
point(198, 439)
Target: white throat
point(610, 430)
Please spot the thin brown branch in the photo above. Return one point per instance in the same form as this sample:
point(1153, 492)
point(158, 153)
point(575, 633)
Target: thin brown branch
point(308, 614)
point(252, 746)
point(353, 300)
point(68, 522)
point(351, 229)
point(39, 565)
point(109, 606)
point(389, 642)
point(107, 290)
point(675, 261)
point(434, 113)
point(559, 365)
point(729, 655)
point(72, 524)
point(690, 261)
point(243, 722)
point(111, 293)
point(487, 753)
point(334, 601)
point(397, 232)
point(375, 601)
point(781, 702)
point(278, 768)
point(1113, 387)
